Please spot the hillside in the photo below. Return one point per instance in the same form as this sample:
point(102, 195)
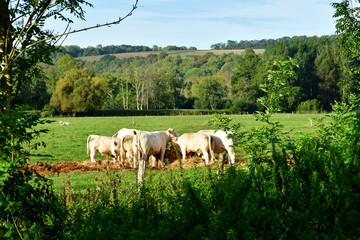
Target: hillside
point(173, 52)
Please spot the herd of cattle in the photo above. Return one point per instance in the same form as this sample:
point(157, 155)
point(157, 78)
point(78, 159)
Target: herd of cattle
point(137, 145)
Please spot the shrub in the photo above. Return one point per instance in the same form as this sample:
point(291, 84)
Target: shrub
point(28, 207)
point(310, 106)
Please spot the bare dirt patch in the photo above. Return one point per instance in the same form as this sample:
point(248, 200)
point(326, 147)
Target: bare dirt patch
point(172, 161)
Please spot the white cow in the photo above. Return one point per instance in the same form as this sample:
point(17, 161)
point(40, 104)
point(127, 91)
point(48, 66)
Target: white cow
point(200, 143)
point(127, 132)
point(152, 143)
point(127, 149)
point(104, 145)
point(124, 131)
point(222, 143)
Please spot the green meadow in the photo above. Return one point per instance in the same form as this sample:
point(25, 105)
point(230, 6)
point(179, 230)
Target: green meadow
point(68, 143)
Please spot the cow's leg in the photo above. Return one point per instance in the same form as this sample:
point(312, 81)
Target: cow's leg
point(221, 156)
point(130, 156)
point(92, 155)
point(183, 151)
point(231, 154)
point(135, 158)
point(206, 157)
point(162, 157)
point(153, 159)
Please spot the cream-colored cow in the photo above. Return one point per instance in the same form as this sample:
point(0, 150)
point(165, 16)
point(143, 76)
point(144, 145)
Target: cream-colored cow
point(128, 150)
point(222, 143)
point(152, 143)
point(134, 155)
point(104, 145)
point(200, 143)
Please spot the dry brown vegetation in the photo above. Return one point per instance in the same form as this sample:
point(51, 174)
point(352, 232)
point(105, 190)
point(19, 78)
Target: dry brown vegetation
point(172, 162)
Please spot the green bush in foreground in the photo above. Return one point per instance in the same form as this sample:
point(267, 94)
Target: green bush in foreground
point(28, 207)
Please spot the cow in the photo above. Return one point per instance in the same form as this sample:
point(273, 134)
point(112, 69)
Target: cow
point(152, 143)
point(200, 143)
point(127, 149)
point(104, 145)
point(222, 143)
point(123, 132)
point(134, 155)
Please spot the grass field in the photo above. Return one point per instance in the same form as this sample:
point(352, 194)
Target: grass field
point(68, 143)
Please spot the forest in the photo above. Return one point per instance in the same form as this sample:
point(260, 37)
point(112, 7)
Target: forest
point(180, 81)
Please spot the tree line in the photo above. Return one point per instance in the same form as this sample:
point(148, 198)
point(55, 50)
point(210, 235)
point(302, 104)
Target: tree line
point(209, 81)
point(254, 44)
point(76, 51)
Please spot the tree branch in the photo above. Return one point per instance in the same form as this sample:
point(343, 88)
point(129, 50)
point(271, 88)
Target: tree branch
point(79, 30)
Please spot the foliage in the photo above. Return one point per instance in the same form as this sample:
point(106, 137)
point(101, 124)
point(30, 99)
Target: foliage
point(76, 51)
point(347, 25)
point(78, 91)
point(27, 204)
point(22, 30)
point(162, 81)
point(28, 207)
point(310, 106)
point(209, 93)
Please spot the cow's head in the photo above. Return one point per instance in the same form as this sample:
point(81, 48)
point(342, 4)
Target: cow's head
point(171, 132)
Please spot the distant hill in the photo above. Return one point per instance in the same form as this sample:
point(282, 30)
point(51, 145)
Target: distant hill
point(171, 52)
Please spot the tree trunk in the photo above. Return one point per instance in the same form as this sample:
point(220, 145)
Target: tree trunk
point(5, 58)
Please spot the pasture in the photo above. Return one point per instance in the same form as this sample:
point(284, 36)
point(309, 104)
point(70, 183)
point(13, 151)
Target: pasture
point(273, 198)
point(68, 143)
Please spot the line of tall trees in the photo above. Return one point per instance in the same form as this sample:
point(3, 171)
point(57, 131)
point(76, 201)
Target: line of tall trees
point(254, 44)
point(76, 51)
point(209, 81)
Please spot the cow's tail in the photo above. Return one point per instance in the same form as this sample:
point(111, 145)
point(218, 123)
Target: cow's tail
point(211, 141)
point(87, 144)
point(116, 134)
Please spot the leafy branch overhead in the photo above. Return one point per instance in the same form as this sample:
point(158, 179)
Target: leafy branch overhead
point(23, 36)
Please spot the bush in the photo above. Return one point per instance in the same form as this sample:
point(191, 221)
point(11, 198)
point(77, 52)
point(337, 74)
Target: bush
point(310, 106)
point(28, 207)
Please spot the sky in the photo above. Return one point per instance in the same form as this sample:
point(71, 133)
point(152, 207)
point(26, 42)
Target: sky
point(200, 23)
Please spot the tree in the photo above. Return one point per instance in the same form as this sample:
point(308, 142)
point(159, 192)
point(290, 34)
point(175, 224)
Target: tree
point(209, 92)
point(78, 91)
point(243, 87)
point(347, 28)
point(24, 42)
point(112, 88)
point(58, 70)
point(27, 204)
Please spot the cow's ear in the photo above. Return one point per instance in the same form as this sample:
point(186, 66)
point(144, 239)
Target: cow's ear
point(170, 130)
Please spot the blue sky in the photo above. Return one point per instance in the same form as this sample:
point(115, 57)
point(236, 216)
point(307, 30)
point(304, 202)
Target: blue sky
point(201, 23)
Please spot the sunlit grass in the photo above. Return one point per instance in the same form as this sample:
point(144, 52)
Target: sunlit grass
point(68, 143)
